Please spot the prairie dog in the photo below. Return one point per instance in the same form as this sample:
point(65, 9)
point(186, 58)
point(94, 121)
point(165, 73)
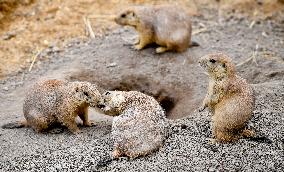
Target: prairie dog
point(230, 98)
point(139, 123)
point(167, 26)
point(55, 101)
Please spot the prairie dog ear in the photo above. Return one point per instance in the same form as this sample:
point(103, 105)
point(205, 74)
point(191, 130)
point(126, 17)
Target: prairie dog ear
point(132, 13)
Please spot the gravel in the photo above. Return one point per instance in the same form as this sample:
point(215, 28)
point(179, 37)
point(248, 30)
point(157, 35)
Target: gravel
point(187, 147)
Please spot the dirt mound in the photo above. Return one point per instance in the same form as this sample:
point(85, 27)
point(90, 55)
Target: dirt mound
point(29, 26)
point(177, 81)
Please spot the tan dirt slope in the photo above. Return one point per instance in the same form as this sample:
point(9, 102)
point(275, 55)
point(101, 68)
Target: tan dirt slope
point(29, 26)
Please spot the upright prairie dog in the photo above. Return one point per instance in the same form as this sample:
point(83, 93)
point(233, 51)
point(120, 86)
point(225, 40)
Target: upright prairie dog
point(230, 98)
point(55, 101)
point(168, 26)
point(139, 126)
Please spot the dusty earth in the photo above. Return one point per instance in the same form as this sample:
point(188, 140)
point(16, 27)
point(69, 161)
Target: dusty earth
point(176, 81)
point(29, 26)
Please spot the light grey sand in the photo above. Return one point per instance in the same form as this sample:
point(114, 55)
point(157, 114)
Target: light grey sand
point(187, 147)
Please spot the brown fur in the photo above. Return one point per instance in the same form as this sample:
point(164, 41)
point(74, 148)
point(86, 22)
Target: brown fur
point(167, 26)
point(229, 98)
point(55, 101)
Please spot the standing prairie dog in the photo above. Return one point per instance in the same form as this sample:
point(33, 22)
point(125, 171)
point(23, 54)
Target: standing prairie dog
point(55, 101)
point(167, 26)
point(139, 125)
point(230, 98)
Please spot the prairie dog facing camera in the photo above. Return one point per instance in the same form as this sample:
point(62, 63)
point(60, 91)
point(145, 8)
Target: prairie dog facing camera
point(230, 98)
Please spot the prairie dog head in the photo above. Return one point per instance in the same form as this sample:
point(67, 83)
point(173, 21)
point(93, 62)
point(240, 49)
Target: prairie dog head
point(112, 102)
point(217, 65)
point(86, 93)
point(127, 17)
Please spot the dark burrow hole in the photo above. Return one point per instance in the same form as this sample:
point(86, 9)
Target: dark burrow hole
point(161, 95)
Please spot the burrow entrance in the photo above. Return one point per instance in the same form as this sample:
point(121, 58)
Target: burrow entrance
point(166, 99)
point(177, 101)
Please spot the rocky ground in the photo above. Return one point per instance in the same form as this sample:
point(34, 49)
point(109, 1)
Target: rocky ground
point(176, 81)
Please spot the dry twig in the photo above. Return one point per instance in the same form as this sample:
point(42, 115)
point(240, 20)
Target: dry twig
point(34, 59)
point(195, 32)
point(252, 57)
point(88, 27)
point(252, 24)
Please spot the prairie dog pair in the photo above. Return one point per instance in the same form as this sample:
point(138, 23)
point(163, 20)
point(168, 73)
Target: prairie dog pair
point(138, 130)
point(167, 26)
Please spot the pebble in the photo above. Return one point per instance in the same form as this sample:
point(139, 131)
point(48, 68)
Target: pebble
point(9, 35)
point(111, 65)
point(6, 89)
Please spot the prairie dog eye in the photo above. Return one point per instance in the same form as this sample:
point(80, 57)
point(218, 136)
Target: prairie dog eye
point(212, 60)
point(107, 93)
point(101, 106)
point(224, 65)
point(85, 93)
point(123, 15)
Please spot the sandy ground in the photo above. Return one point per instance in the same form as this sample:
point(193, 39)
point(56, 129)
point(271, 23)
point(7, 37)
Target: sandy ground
point(28, 26)
point(176, 81)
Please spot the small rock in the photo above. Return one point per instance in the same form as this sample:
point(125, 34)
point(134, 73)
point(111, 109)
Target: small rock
point(58, 166)
point(6, 89)
point(264, 34)
point(45, 42)
point(112, 65)
point(9, 35)
point(56, 49)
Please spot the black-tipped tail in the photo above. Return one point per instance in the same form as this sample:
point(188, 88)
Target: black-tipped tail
point(194, 44)
point(12, 125)
point(250, 134)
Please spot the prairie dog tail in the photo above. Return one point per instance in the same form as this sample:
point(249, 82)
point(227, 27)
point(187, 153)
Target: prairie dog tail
point(17, 124)
point(251, 135)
